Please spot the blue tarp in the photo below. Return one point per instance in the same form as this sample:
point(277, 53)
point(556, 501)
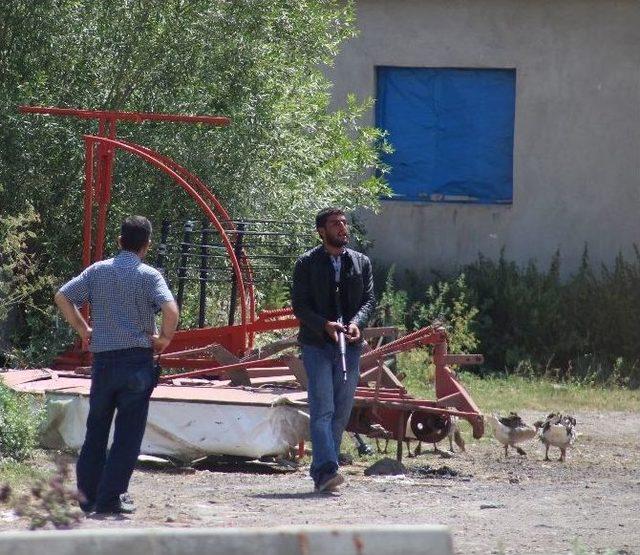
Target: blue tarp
point(452, 131)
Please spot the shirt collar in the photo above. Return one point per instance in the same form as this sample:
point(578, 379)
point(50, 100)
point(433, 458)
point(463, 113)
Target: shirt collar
point(128, 258)
point(339, 255)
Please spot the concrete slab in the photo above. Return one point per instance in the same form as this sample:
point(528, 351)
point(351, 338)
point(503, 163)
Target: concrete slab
point(286, 540)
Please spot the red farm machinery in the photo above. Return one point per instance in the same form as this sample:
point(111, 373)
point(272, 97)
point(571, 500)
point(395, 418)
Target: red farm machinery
point(236, 354)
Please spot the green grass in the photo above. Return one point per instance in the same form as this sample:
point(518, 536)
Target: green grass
point(20, 475)
point(515, 392)
point(503, 394)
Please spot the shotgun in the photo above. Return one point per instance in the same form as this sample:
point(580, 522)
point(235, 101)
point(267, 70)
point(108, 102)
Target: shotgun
point(342, 340)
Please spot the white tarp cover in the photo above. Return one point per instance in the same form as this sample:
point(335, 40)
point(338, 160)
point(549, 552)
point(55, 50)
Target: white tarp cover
point(188, 430)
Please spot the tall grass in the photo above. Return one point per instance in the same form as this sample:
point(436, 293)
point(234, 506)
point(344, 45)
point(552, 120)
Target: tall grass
point(529, 322)
point(585, 327)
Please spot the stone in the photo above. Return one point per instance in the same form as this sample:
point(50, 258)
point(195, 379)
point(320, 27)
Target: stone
point(385, 467)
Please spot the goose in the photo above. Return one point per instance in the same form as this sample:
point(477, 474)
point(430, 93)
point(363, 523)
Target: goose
point(378, 432)
point(511, 430)
point(455, 435)
point(557, 431)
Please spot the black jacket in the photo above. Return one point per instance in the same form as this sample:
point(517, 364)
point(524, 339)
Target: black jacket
point(313, 295)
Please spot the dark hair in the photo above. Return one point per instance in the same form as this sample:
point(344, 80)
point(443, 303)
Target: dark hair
point(135, 233)
point(323, 215)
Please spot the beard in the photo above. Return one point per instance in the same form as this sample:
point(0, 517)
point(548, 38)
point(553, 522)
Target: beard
point(336, 241)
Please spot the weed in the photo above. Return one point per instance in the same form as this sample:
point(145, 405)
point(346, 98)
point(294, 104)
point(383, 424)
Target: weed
point(48, 501)
point(17, 473)
point(392, 308)
point(447, 302)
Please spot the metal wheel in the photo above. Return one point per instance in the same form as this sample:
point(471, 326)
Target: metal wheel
point(430, 428)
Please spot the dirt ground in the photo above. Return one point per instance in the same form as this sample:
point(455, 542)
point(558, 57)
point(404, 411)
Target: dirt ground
point(493, 505)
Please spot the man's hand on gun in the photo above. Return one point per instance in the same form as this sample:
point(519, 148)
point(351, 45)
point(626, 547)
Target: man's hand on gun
point(352, 332)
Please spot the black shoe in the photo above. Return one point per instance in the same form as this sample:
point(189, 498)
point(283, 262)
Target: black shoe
point(365, 449)
point(123, 506)
point(330, 484)
point(87, 507)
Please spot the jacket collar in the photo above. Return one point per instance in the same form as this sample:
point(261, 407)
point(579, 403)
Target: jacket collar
point(320, 251)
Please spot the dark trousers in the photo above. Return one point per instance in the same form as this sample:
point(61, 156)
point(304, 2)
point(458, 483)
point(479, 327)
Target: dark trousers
point(121, 381)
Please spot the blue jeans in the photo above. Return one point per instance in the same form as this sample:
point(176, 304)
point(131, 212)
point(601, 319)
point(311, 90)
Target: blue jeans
point(330, 403)
point(120, 380)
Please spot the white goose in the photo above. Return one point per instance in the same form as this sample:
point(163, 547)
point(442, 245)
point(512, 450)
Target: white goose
point(511, 430)
point(557, 431)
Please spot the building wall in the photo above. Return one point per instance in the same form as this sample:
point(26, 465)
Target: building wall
point(577, 125)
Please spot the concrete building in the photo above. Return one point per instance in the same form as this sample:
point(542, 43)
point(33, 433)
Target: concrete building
point(574, 66)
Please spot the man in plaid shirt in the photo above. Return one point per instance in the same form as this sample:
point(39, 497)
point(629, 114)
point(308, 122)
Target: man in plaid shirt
point(124, 295)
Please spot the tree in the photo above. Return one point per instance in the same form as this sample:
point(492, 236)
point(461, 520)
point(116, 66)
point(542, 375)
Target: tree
point(258, 61)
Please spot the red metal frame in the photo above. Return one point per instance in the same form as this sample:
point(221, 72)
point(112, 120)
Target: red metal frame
point(157, 161)
point(387, 403)
point(100, 153)
point(114, 115)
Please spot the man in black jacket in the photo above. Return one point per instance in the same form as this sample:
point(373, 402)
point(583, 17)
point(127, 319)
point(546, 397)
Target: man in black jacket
point(332, 294)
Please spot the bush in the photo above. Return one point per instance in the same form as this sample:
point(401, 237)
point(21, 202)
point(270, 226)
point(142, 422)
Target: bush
point(20, 276)
point(20, 419)
point(392, 307)
point(447, 302)
point(528, 321)
point(444, 302)
point(26, 292)
point(519, 310)
point(584, 327)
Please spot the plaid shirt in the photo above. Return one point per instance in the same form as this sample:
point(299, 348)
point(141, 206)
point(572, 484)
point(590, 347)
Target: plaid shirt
point(124, 295)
